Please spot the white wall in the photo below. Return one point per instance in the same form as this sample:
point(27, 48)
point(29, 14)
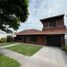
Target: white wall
point(5, 35)
point(66, 39)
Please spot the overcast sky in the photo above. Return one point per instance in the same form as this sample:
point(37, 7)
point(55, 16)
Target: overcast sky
point(39, 9)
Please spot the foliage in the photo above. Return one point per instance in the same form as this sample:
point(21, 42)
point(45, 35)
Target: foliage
point(66, 49)
point(25, 49)
point(3, 40)
point(7, 62)
point(10, 39)
point(12, 12)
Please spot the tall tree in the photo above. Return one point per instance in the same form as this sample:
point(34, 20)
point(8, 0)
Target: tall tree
point(12, 12)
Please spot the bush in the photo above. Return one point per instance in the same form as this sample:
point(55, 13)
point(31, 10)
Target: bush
point(3, 40)
point(10, 39)
point(66, 49)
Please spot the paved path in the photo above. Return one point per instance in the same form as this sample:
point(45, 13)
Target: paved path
point(20, 58)
point(9, 45)
point(46, 57)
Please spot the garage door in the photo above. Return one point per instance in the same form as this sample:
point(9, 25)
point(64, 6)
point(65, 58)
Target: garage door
point(53, 40)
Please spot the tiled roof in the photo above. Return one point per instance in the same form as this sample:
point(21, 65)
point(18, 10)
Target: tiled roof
point(37, 32)
point(29, 32)
point(53, 32)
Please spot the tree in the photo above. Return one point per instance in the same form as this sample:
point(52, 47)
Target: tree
point(12, 12)
point(10, 38)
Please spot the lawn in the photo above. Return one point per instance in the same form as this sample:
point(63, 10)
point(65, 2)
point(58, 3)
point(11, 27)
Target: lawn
point(7, 62)
point(7, 43)
point(26, 49)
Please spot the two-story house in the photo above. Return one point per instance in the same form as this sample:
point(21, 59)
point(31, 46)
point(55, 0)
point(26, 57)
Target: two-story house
point(52, 33)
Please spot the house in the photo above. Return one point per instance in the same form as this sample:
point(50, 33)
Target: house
point(4, 34)
point(52, 34)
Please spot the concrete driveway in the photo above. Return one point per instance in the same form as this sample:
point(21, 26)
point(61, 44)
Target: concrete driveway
point(49, 57)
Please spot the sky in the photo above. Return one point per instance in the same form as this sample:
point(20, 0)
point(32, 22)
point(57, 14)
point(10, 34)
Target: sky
point(39, 9)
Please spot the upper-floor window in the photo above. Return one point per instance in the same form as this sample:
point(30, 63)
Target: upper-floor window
point(52, 24)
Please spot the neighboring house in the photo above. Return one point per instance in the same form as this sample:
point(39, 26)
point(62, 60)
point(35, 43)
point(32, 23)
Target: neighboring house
point(66, 39)
point(52, 33)
point(4, 34)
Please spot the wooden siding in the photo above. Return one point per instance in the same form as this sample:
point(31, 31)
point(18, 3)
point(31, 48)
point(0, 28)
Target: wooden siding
point(40, 39)
point(59, 22)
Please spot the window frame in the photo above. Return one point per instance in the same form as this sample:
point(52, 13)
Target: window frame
point(53, 25)
point(33, 39)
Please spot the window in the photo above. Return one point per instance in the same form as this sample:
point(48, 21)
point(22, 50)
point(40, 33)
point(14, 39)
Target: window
point(33, 39)
point(51, 23)
point(19, 37)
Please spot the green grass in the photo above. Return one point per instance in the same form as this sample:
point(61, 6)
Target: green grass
point(27, 50)
point(7, 62)
point(7, 43)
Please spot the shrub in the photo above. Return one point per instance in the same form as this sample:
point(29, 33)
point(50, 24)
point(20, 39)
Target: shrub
point(3, 40)
point(66, 49)
point(10, 39)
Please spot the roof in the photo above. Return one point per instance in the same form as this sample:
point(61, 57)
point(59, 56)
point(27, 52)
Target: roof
point(54, 32)
point(37, 32)
point(58, 16)
point(29, 32)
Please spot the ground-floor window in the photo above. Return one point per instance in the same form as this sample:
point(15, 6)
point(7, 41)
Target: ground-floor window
point(33, 39)
point(19, 37)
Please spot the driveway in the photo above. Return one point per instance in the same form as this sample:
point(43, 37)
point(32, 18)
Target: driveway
point(49, 57)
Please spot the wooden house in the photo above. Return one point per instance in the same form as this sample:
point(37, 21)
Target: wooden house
point(52, 33)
